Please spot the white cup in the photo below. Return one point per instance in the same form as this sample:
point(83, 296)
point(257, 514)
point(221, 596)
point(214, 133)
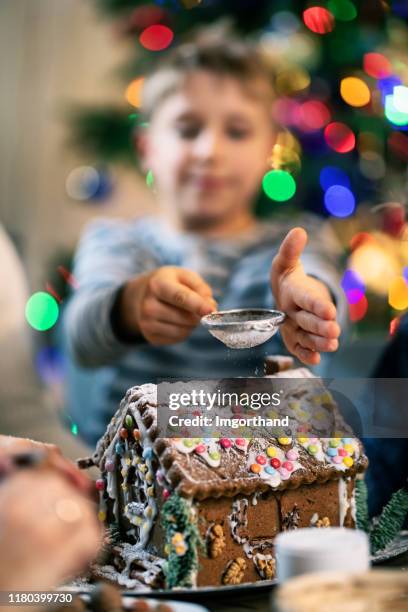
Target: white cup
point(305, 551)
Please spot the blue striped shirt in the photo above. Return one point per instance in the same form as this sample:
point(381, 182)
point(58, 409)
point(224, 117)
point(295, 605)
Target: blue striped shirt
point(238, 271)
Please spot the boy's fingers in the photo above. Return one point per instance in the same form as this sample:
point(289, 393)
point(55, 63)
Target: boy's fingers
point(195, 282)
point(306, 356)
point(313, 302)
point(166, 313)
point(317, 343)
point(315, 325)
point(182, 297)
point(290, 250)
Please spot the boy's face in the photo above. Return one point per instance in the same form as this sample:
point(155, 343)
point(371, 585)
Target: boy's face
point(207, 146)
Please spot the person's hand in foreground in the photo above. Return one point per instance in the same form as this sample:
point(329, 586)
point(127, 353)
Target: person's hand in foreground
point(310, 327)
point(165, 305)
point(49, 531)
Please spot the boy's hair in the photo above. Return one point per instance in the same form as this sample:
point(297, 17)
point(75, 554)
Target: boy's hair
point(227, 57)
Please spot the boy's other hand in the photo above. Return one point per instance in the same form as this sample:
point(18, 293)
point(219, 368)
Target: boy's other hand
point(311, 325)
point(166, 305)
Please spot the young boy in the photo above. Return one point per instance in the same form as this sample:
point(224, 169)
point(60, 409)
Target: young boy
point(145, 284)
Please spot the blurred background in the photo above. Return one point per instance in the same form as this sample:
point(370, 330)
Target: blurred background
point(71, 75)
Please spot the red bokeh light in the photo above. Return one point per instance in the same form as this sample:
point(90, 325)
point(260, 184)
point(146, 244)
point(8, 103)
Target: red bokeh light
point(156, 37)
point(394, 324)
point(359, 239)
point(398, 143)
point(319, 20)
point(313, 115)
point(339, 137)
point(376, 65)
point(358, 310)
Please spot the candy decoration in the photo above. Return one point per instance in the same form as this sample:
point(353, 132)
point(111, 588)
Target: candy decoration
point(337, 459)
point(100, 484)
point(240, 442)
point(128, 421)
point(348, 462)
point(288, 465)
point(119, 449)
point(349, 448)
point(136, 434)
point(261, 460)
point(123, 433)
point(166, 494)
point(332, 452)
point(214, 455)
point(188, 443)
point(285, 474)
point(225, 443)
point(102, 516)
point(270, 470)
point(110, 465)
point(285, 441)
point(334, 443)
point(271, 451)
point(292, 454)
point(255, 468)
point(342, 452)
point(275, 463)
point(200, 449)
point(147, 453)
point(312, 449)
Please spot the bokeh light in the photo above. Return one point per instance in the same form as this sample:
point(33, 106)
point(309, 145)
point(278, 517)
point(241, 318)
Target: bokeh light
point(398, 293)
point(386, 85)
point(376, 65)
point(339, 137)
point(354, 91)
point(398, 144)
point(279, 185)
point(156, 37)
point(284, 158)
point(49, 363)
point(41, 311)
point(318, 19)
point(82, 183)
point(405, 274)
point(353, 286)
point(339, 201)
point(372, 166)
point(394, 324)
point(331, 175)
point(401, 99)
point(292, 80)
point(149, 179)
point(313, 115)
point(358, 310)
point(343, 10)
point(359, 239)
point(285, 22)
point(133, 92)
point(395, 116)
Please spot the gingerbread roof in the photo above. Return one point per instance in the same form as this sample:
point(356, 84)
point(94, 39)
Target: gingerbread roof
point(203, 468)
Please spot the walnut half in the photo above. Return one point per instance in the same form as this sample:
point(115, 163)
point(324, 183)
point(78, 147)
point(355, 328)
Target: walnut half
point(216, 541)
point(234, 571)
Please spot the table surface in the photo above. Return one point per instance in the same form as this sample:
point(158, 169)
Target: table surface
point(261, 601)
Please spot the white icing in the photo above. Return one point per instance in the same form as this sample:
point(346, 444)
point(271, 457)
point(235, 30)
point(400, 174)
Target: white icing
point(343, 501)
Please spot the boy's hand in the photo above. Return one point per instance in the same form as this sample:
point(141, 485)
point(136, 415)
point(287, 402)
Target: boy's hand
point(166, 305)
point(311, 325)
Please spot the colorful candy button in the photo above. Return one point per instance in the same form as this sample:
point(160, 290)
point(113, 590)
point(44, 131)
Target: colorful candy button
point(166, 494)
point(270, 470)
point(200, 449)
point(240, 441)
point(271, 451)
point(288, 465)
point(136, 434)
point(284, 473)
point(214, 455)
point(347, 440)
point(110, 465)
point(188, 443)
point(342, 452)
point(334, 443)
point(225, 443)
point(337, 459)
point(100, 484)
point(292, 454)
point(275, 463)
point(261, 459)
point(349, 448)
point(348, 461)
point(312, 449)
point(332, 452)
point(302, 440)
point(255, 468)
point(147, 453)
point(285, 441)
point(119, 449)
point(128, 421)
point(102, 515)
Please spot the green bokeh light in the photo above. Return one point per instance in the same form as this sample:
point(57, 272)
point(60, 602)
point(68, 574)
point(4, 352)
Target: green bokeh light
point(74, 429)
point(42, 311)
point(392, 114)
point(343, 10)
point(149, 179)
point(279, 185)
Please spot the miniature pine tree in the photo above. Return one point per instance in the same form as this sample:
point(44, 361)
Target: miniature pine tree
point(391, 520)
point(363, 520)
